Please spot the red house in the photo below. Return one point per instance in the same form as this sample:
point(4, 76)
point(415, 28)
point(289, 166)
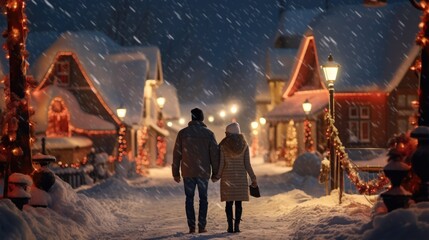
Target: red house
point(375, 89)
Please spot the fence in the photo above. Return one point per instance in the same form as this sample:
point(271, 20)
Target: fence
point(73, 176)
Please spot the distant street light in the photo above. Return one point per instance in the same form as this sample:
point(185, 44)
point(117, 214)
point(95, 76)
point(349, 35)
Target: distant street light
point(182, 121)
point(211, 119)
point(121, 112)
point(308, 140)
point(161, 144)
point(122, 142)
point(161, 102)
point(222, 114)
point(306, 106)
point(330, 70)
point(234, 109)
point(262, 121)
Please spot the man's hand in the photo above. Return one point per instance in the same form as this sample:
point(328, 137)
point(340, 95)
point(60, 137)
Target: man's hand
point(177, 179)
point(215, 179)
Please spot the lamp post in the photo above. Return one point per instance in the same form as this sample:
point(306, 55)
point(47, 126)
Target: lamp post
point(254, 125)
point(161, 144)
point(263, 136)
point(330, 70)
point(233, 110)
point(161, 102)
point(122, 142)
point(308, 141)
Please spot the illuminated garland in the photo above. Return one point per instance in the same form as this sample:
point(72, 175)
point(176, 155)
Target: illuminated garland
point(291, 143)
point(370, 187)
point(122, 142)
point(308, 140)
point(17, 107)
point(142, 160)
point(421, 39)
point(161, 145)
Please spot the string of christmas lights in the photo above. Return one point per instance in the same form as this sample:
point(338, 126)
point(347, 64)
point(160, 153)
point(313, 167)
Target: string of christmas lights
point(142, 160)
point(352, 171)
point(308, 140)
point(161, 145)
point(17, 94)
point(122, 142)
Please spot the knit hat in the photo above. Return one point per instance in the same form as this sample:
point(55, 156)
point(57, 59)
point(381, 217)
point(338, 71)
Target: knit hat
point(233, 128)
point(197, 114)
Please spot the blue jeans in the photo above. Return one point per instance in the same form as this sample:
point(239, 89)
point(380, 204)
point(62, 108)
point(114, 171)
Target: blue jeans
point(190, 185)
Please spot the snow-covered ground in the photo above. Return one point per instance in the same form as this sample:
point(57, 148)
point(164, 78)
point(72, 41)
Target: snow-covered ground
point(291, 207)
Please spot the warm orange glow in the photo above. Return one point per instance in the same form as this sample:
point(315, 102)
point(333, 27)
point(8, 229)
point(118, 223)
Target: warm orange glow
point(299, 63)
point(92, 132)
point(85, 75)
point(377, 94)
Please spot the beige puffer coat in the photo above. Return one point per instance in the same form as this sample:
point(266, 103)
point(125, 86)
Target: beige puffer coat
point(233, 169)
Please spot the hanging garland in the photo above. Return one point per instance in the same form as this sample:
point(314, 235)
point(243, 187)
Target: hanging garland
point(122, 142)
point(142, 161)
point(370, 187)
point(308, 140)
point(161, 145)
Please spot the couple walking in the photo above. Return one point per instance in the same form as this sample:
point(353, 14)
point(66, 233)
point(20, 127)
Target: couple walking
point(197, 157)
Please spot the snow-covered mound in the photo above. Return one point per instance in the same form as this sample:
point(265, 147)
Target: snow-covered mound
point(71, 216)
point(307, 164)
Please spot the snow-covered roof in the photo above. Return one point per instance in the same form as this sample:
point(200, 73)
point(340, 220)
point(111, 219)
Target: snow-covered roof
point(374, 46)
point(117, 73)
point(291, 107)
point(78, 118)
point(280, 62)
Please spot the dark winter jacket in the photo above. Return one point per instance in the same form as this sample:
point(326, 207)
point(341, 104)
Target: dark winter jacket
point(196, 152)
point(234, 167)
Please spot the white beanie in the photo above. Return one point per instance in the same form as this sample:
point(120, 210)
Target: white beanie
point(233, 128)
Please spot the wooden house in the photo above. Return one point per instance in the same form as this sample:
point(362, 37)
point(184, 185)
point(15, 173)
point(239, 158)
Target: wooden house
point(84, 77)
point(375, 89)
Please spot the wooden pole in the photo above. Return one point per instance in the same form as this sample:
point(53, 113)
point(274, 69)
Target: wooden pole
point(18, 125)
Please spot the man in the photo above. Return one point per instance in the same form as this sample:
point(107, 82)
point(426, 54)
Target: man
point(196, 154)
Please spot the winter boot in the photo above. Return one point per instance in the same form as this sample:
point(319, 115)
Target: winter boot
point(238, 211)
point(229, 217)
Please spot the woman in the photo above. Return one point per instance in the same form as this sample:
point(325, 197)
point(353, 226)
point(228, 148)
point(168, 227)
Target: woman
point(233, 170)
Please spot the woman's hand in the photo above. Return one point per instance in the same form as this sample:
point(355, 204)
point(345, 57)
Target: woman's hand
point(254, 183)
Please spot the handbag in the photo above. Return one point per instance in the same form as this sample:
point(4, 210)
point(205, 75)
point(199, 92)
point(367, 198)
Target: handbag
point(254, 191)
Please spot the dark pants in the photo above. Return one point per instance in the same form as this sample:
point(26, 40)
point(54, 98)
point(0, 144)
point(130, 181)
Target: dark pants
point(238, 209)
point(190, 185)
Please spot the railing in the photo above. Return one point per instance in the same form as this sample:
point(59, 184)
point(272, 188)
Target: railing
point(74, 177)
point(366, 173)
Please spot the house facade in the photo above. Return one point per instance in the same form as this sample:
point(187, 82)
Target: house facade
point(84, 77)
point(375, 90)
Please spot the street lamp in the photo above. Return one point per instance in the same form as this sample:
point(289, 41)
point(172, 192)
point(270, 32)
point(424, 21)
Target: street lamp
point(122, 142)
point(308, 141)
point(306, 106)
point(211, 119)
point(222, 114)
point(233, 110)
point(121, 112)
point(330, 70)
point(161, 102)
point(161, 144)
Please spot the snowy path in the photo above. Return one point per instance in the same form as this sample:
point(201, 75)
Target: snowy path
point(153, 208)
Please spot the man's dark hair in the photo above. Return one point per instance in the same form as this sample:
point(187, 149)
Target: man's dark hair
point(197, 114)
